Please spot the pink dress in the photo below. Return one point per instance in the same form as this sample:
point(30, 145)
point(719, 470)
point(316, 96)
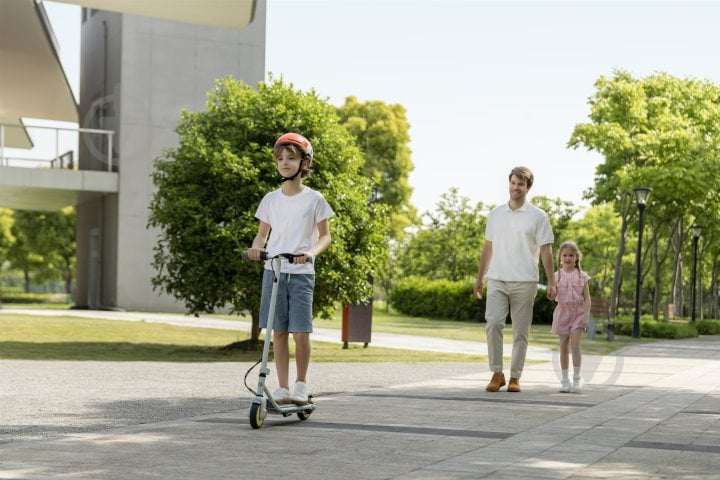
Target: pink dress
point(570, 310)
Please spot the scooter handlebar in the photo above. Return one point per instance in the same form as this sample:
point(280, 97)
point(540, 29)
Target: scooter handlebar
point(263, 255)
point(289, 256)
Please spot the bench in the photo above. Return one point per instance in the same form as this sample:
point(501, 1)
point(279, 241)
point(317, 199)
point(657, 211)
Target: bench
point(600, 309)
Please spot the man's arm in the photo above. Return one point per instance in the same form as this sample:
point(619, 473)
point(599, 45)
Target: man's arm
point(484, 264)
point(546, 257)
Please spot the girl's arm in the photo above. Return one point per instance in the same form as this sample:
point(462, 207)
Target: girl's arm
point(258, 244)
point(586, 303)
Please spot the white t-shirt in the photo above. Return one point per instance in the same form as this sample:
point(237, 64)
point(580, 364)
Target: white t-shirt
point(516, 238)
point(293, 221)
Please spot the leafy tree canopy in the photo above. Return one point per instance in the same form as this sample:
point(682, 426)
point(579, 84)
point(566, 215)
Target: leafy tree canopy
point(209, 187)
point(661, 132)
point(596, 235)
point(560, 214)
point(382, 133)
point(6, 238)
point(448, 245)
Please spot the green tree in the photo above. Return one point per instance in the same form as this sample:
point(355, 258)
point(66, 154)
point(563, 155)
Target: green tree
point(54, 239)
point(22, 253)
point(6, 238)
point(661, 132)
point(40, 244)
point(382, 133)
point(448, 243)
point(209, 187)
point(596, 234)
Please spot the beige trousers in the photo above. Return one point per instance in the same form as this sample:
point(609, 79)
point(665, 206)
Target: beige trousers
point(517, 299)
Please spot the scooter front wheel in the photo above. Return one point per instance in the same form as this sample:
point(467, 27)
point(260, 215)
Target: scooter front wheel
point(256, 416)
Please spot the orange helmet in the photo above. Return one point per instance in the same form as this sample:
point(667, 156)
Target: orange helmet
point(299, 141)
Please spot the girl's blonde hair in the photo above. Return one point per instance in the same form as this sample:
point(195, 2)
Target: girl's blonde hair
point(570, 245)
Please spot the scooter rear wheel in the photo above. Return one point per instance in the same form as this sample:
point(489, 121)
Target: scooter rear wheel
point(304, 414)
point(256, 416)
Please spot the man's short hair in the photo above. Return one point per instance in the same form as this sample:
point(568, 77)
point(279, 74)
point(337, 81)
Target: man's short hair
point(522, 173)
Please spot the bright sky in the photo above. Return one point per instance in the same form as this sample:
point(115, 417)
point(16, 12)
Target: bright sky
point(488, 85)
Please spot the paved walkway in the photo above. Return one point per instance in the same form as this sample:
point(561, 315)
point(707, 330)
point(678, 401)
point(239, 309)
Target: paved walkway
point(650, 411)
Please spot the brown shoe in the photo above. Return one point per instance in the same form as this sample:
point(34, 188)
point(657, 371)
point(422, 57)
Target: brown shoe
point(514, 385)
point(497, 381)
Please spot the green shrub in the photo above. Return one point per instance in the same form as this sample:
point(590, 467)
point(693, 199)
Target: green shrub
point(708, 327)
point(445, 299)
point(10, 289)
point(420, 297)
point(650, 328)
point(543, 308)
point(54, 298)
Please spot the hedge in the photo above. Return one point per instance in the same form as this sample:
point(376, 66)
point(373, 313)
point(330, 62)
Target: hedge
point(452, 300)
point(661, 329)
point(13, 297)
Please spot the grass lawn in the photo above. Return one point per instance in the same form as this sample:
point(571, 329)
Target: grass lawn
point(69, 338)
point(31, 337)
point(540, 336)
point(392, 322)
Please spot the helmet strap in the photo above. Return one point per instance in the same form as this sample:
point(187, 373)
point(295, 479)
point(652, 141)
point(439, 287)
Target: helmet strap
point(282, 179)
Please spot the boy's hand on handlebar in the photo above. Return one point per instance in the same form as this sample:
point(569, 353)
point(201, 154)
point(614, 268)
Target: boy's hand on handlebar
point(254, 253)
point(303, 257)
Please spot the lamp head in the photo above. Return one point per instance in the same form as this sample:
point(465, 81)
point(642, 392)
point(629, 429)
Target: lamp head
point(642, 194)
point(696, 230)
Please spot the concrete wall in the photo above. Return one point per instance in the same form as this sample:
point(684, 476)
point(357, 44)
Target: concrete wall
point(155, 68)
point(100, 56)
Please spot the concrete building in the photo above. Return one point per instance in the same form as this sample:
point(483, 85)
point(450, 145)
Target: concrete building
point(141, 64)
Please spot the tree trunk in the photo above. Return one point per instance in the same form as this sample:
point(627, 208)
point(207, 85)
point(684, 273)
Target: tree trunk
point(255, 327)
point(656, 275)
point(67, 277)
point(714, 286)
point(625, 213)
point(676, 287)
point(26, 277)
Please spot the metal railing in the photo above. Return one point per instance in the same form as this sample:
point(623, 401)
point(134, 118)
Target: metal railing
point(57, 160)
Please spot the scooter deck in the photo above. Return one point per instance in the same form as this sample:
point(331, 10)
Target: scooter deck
point(289, 409)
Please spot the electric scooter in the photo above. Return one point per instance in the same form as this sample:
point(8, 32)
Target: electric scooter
point(263, 402)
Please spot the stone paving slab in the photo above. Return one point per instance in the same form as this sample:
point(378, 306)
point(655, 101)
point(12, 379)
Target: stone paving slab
point(649, 411)
point(651, 423)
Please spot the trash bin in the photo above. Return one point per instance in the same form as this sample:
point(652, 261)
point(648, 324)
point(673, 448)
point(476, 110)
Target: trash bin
point(357, 323)
point(669, 312)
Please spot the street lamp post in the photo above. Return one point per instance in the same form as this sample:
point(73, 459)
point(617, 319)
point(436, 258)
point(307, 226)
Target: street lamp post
point(641, 196)
point(696, 231)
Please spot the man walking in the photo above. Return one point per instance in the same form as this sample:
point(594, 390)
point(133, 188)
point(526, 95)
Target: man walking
point(516, 235)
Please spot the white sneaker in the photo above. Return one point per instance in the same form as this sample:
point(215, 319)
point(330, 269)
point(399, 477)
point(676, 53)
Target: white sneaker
point(300, 394)
point(282, 396)
point(565, 386)
point(577, 385)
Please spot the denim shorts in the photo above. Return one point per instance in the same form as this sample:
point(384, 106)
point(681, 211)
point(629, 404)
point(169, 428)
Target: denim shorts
point(293, 308)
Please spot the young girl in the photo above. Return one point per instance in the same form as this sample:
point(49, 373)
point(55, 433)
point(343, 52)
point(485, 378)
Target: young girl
point(571, 312)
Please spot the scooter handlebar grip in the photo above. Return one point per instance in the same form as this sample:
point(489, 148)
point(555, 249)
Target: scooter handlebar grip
point(263, 255)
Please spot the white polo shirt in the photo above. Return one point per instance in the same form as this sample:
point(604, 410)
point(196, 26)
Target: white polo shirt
point(516, 238)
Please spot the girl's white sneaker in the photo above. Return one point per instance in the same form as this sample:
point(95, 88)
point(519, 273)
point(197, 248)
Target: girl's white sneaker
point(577, 385)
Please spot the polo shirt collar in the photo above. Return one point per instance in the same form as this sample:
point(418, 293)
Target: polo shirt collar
point(524, 207)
